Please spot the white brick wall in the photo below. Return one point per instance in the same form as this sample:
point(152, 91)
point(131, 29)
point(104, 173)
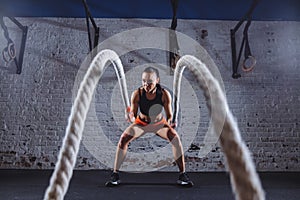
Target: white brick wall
point(35, 105)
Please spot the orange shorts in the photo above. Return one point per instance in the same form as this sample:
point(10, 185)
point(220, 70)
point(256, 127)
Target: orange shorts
point(163, 123)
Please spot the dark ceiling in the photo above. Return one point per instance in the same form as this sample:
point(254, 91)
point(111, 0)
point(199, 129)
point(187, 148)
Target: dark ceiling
point(191, 9)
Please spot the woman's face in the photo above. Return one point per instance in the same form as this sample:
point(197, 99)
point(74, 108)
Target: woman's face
point(149, 81)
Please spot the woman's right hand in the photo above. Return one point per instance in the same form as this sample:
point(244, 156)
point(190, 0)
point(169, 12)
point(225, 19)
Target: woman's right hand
point(129, 116)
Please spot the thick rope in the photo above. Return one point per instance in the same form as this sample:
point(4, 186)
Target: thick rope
point(62, 174)
point(244, 179)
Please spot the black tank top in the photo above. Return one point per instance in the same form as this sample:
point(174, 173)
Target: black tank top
point(151, 107)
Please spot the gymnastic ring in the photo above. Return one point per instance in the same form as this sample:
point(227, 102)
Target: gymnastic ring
point(174, 60)
point(5, 55)
point(248, 69)
point(11, 50)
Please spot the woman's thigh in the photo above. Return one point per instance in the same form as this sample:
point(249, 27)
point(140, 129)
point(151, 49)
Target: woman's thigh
point(135, 131)
point(167, 133)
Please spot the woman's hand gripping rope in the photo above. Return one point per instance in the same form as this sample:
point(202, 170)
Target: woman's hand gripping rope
point(173, 124)
point(129, 116)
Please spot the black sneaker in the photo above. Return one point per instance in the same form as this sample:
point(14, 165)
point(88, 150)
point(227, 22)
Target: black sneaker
point(184, 180)
point(114, 180)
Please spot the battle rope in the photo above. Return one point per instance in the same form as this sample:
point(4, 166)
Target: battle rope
point(62, 174)
point(244, 179)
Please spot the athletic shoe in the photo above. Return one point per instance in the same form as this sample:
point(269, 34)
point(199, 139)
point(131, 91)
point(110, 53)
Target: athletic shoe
point(184, 180)
point(114, 180)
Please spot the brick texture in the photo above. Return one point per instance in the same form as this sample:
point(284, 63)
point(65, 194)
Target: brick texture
point(35, 105)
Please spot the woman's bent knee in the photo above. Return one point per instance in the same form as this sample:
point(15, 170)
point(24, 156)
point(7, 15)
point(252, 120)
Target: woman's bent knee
point(124, 140)
point(172, 135)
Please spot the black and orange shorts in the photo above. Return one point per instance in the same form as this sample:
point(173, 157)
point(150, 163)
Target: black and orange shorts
point(159, 124)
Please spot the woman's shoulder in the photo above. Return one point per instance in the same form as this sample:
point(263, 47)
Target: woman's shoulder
point(165, 94)
point(164, 91)
point(137, 92)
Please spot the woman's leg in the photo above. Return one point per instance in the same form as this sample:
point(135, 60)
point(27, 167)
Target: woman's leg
point(131, 133)
point(171, 135)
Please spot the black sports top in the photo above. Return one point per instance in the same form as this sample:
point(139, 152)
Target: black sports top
point(151, 107)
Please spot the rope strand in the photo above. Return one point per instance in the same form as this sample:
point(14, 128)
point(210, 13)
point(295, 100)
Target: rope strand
point(62, 174)
point(244, 179)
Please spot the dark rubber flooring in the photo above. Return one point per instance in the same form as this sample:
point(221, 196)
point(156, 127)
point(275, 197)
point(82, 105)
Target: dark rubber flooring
point(89, 185)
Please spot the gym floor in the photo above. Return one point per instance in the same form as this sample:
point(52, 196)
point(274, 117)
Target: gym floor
point(89, 184)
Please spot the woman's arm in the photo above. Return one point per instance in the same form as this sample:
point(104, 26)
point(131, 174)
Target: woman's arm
point(167, 101)
point(134, 104)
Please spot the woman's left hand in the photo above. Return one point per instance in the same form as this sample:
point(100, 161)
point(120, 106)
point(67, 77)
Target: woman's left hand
point(172, 124)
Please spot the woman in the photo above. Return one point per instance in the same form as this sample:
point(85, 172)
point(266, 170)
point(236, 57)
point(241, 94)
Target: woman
point(151, 99)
